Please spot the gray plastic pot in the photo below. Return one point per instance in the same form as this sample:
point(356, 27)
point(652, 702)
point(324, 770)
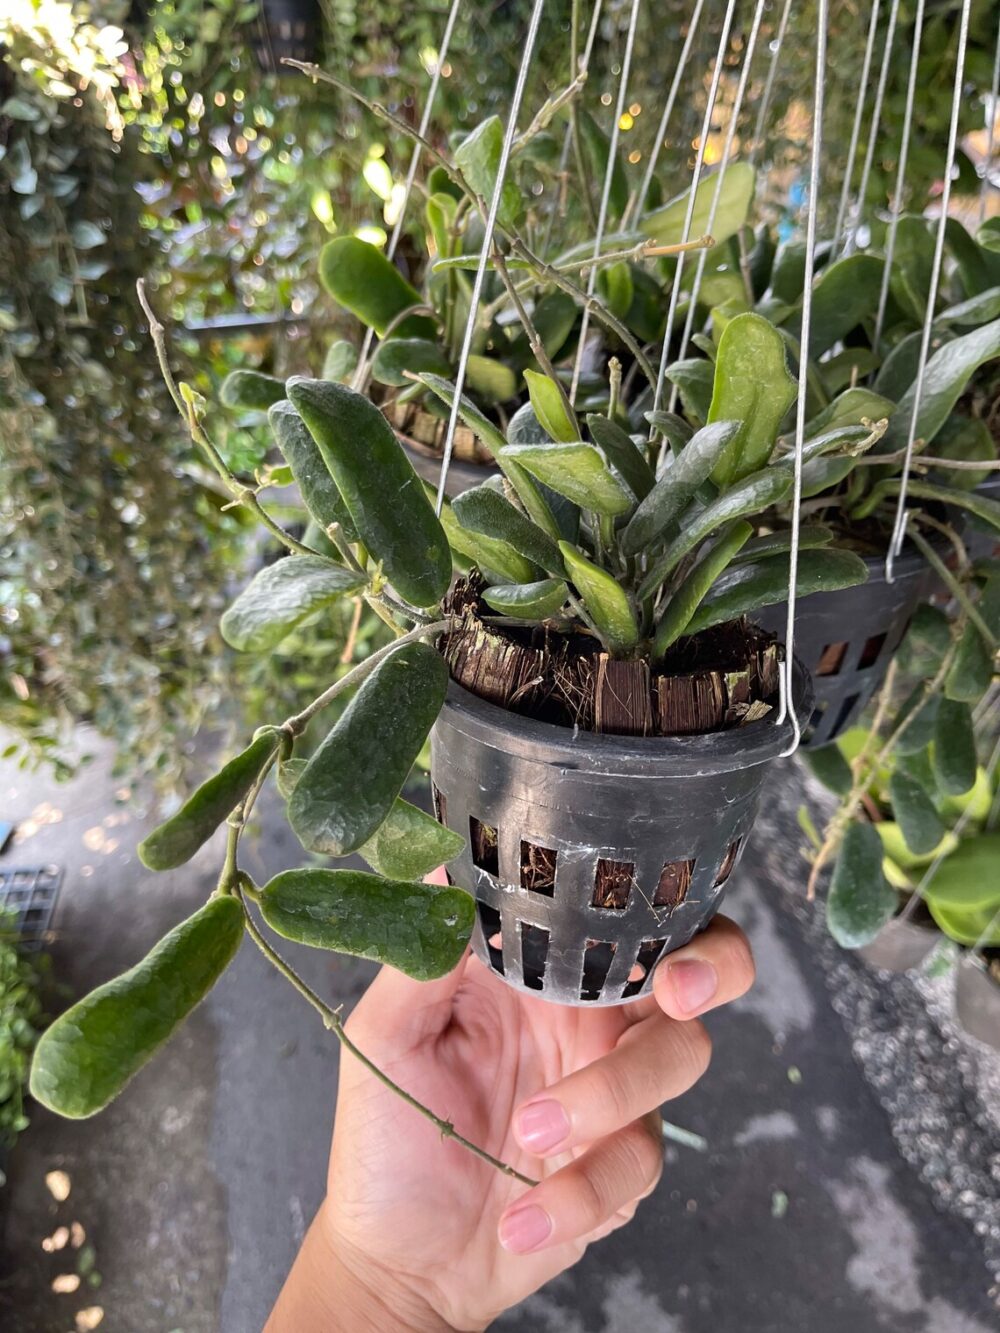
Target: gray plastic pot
point(846, 639)
point(901, 944)
point(977, 1000)
point(662, 820)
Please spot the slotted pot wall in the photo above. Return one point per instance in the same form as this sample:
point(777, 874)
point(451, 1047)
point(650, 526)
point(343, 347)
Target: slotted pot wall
point(669, 815)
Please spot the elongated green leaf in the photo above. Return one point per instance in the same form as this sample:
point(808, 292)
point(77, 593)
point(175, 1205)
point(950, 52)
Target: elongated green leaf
point(550, 408)
point(752, 386)
point(689, 596)
point(899, 369)
point(954, 752)
point(811, 536)
point(927, 639)
point(409, 844)
point(422, 929)
point(694, 378)
point(971, 672)
point(978, 267)
point(340, 361)
point(492, 381)
point(605, 600)
point(177, 840)
point(90, 1052)
point(828, 765)
point(484, 511)
point(753, 495)
point(852, 363)
point(623, 453)
point(668, 499)
point(844, 295)
point(944, 381)
point(349, 785)
point(666, 224)
point(251, 389)
point(360, 278)
point(528, 601)
point(860, 901)
point(319, 490)
point(851, 408)
point(765, 583)
point(281, 596)
point(981, 505)
point(674, 429)
point(915, 813)
point(553, 318)
point(580, 471)
point(967, 439)
point(920, 731)
point(913, 262)
point(398, 356)
point(478, 158)
point(979, 309)
point(497, 561)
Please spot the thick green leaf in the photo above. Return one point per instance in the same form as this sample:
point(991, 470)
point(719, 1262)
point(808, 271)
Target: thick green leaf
point(695, 378)
point(852, 363)
point(964, 893)
point(497, 561)
point(811, 536)
point(944, 381)
point(421, 929)
point(483, 510)
point(913, 263)
point(971, 672)
point(751, 496)
point(605, 600)
point(251, 389)
point(553, 318)
point(828, 765)
point(899, 369)
point(920, 731)
point(396, 357)
point(674, 429)
point(748, 588)
point(915, 813)
point(281, 596)
point(967, 439)
point(177, 840)
point(550, 408)
point(580, 471)
point(983, 506)
point(788, 276)
point(988, 235)
point(350, 783)
point(689, 596)
point(478, 159)
point(92, 1050)
point(860, 901)
point(927, 639)
point(954, 753)
point(409, 844)
point(666, 224)
point(979, 309)
point(528, 601)
point(978, 267)
point(319, 490)
point(752, 386)
point(623, 453)
point(360, 278)
point(492, 381)
point(844, 295)
point(340, 362)
point(615, 288)
point(851, 408)
point(383, 494)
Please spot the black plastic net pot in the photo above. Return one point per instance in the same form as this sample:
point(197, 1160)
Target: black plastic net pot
point(846, 639)
point(591, 856)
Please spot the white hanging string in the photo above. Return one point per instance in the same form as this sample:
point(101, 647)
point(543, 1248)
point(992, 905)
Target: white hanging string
point(786, 679)
point(991, 130)
point(904, 152)
point(899, 527)
point(706, 126)
point(859, 110)
point(602, 215)
point(638, 202)
point(489, 229)
point(720, 175)
point(411, 173)
point(873, 129)
point(776, 44)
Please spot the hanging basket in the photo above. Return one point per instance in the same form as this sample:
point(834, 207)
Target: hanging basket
point(591, 856)
point(902, 943)
point(977, 997)
point(846, 639)
point(422, 436)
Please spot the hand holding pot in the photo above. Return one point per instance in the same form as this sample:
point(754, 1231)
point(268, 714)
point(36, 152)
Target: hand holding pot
point(415, 1232)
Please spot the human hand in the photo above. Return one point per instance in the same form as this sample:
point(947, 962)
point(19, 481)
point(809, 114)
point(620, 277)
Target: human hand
point(416, 1232)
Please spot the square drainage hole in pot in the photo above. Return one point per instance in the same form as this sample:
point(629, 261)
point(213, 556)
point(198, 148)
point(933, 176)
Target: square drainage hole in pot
point(728, 861)
point(869, 653)
point(831, 659)
point(675, 880)
point(538, 868)
point(534, 951)
point(649, 952)
point(489, 919)
point(613, 882)
point(597, 960)
point(484, 843)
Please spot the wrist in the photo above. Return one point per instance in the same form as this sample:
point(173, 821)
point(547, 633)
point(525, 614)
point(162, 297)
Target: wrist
point(335, 1288)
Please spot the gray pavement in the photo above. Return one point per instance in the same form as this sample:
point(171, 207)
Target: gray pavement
point(850, 1178)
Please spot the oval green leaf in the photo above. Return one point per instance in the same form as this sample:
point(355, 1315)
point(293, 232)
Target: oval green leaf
point(250, 389)
point(753, 386)
point(396, 358)
point(409, 843)
point(527, 601)
point(605, 600)
point(550, 408)
point(483, 510)
point(860, 901)
point(954, 752)
point(319, 490)
point(281, 596)
point(360, 278)
point(671, 495)
point(915, 813)
point(580, 471)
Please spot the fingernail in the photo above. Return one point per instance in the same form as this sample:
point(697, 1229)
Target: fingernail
point(694, 983)
point(525, 1230)
point(541, 1125)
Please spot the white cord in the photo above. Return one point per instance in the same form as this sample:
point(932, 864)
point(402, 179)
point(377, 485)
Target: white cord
point(859, 110)
point(991, 133)
point(776, 45)
point(873, 129)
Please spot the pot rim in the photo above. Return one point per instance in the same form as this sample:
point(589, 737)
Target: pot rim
point(632, 756)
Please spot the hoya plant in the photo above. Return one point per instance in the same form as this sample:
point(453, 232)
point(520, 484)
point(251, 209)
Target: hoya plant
point(582, 536)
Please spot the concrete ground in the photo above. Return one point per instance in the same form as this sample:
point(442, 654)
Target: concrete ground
point(849, 1176)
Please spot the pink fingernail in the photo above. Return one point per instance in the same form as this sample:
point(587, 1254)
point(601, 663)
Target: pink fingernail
point(541, 1125)
point(525, 1230)
point(694, 983)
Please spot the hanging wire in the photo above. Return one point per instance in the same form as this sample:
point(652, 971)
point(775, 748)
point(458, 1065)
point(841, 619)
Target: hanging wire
point(720, 175)
point(411, 174)
point(904, 152)
point(859, 110)
point(706, 126)
point(991, 132)
point(786, 678)
point(489, 229)
point(899, 527)
point(638, 201)
point(602, 215)
point(776, 44)
point(873, 130)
